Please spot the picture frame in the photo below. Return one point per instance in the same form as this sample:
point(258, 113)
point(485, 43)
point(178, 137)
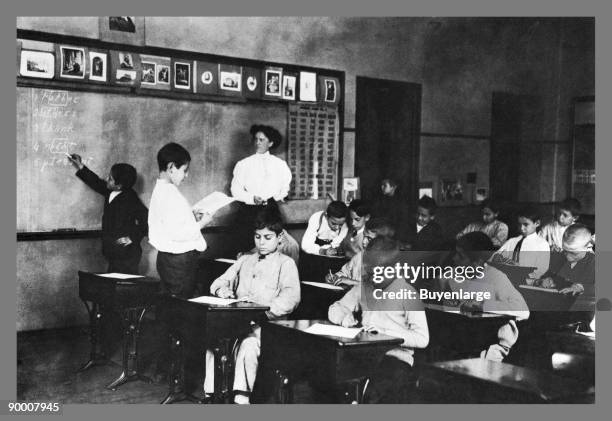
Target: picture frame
point(122, 23)
point(40, 64)
point(125, 76)
point(162, 76)
point(148, 74)
point(182, 75)
point(229, 81)
point(330, 90)
point(289, 87)
point(272, 82)
point(481, 194)
point(72, 62)
point(308, 86)
point(452, 191)
point(98, 66)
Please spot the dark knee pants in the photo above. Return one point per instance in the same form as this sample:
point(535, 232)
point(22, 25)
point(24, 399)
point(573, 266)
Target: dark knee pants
point(177, 272)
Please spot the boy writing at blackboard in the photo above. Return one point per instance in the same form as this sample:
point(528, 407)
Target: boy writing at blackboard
point(174, 230)
point(124, 221)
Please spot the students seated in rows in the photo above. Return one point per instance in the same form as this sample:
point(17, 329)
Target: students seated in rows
point(495, 229)
point(575, 274)
point(392, 380)
point(359, 214)
point(426, 234)
point(569, 212)
point(174, 230)
point(474, 250)
point(527, 249)
point(124, 220)
point(287, 245)
point(326, 230)
point(350, 273)
point(268, 278)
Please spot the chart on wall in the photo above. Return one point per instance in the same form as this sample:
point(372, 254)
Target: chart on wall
point(313, 138)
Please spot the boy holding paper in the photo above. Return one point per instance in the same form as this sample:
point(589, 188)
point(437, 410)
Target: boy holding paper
point(266, 277)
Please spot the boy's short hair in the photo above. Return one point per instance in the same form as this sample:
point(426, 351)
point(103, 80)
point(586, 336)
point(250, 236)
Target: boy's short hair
point(571, 204)
point(124, 175)
point(577, 236)
point(172, 153)
point(360, 207)
point(382, 226)
point(476, 245)
point(428, 203)
point(270, 132)
point(269, 218)
point(491, 204)
point(530, 212)
point(336, 209)
point(389, 181)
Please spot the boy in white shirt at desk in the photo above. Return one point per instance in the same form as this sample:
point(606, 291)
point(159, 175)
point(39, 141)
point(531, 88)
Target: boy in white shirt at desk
point(326, 230)
point(393, 380)
point(350, 274)
point(527, 249)
point(266, 277)
point(569, 212)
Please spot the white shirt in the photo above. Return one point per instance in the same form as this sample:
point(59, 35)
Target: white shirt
point(535, 252)
point(262, 175)
point(553, 233)
point(172, 226)
point(324, 232)
point(112, 195)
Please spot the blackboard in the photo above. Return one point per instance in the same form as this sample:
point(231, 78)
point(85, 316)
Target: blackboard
point(105, 128)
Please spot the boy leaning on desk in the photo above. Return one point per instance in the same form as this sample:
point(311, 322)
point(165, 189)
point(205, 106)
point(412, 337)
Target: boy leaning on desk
point(266, 277)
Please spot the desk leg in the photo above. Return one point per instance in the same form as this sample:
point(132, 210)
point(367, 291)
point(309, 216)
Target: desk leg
point(132, 322)
point(224, 365)
point(284, 388)
point(97, 318)
point(176, 376)
point(354, 391)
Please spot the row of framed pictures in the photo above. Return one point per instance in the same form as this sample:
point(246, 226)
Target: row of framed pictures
point(74, 63)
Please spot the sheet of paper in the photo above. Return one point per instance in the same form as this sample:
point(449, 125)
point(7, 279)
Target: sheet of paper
point(333, 330)
point(116, 275)
point(213, 202)
point(323, 285)
point(224, 260)
point(539, 288)
point(207, 299)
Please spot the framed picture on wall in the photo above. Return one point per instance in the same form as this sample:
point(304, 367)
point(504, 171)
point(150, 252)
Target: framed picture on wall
point(481, 194)
point(37, 64)
point(289, 84)
point(308, 86)
point(182, 75)
point(452, 191)
point(72, 62)
point(98, 66)
point(163, 74)
point(230, 81)
point(273, 80)
point(330, 90)
point(149, 70)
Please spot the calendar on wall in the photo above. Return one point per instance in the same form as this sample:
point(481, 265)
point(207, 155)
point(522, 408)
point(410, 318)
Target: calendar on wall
point(313, 143)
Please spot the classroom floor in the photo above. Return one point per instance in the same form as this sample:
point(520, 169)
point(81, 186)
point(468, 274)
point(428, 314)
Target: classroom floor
point(49, 360)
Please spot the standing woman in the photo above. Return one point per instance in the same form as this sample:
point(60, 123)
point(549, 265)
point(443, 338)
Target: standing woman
point(257, 179)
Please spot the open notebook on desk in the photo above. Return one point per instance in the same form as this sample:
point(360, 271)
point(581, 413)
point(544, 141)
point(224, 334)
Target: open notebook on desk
point(323, 285)
point(116, 275)
point(333, 330)
point(207, 299)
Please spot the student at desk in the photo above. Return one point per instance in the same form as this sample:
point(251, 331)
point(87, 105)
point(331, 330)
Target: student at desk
point(474, 250)
point(326, 230)
point(267, 277)
point(393, 380)
point(350, 274)
point(426, 233)
point(359, 215)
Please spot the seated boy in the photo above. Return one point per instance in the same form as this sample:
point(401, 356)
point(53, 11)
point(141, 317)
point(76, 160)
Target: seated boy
point(527, 249)
point(268, 278)
point(350, 273)
point(496, 230)
point(359, 214)
point(427, 234)
point(576, 274)
point(326, 230)
point(569, 212)
point(474, 250)
point(392, 380)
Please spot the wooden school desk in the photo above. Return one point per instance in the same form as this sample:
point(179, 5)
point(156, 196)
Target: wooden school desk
point(477, 380)
point(288, 354)
point(195, 327)
point(131, 297)
point(454, 333)
point(315, 300)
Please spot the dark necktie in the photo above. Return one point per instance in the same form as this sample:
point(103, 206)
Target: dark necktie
point(517, 250)
point(261, 257)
